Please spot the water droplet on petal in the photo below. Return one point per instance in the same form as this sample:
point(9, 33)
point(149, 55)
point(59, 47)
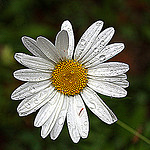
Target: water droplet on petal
point(102, 57)
point(36, 101)
point(98, 23)
point(102, 42)
point(22, 113)
point(92, 105)
point(96, 50)
point(28, 105)
point(69, 29)
point(85, 123)
point(82, 42)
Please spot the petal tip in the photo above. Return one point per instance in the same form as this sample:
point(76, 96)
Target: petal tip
point(67, 21)
point(112, 29)
point(23, 38)
point(43, 135)
point(17, 56)
point(99, 22)
point(40, 37)
point(53, 137)
point(12, 96)
point(36, 123)
point(65, 24)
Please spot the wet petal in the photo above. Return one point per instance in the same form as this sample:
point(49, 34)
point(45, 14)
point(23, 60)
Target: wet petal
point(31, 75)
point(71, 121)
point(109, 69)
point(107, 88)
point(81, 116)
point(48, 49)
point(62, 44)
point(99, 43)
point(68, 27)
point(28, 89)
point(49, 124)
point(33, 62)
point(108, 52)
point(32, 46)
point(33, 103)
point(60, 120)
point(47, 110)
point(87, 39)
point(118, 78)
point(123, 83)
point(97, 106)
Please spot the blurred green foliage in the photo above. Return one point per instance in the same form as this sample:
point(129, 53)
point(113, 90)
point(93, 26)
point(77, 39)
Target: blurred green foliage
point(131, 20)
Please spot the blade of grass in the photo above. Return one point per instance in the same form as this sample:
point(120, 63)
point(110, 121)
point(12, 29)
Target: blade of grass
point(131, 130)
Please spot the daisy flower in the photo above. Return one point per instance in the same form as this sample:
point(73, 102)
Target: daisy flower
point(61, 80)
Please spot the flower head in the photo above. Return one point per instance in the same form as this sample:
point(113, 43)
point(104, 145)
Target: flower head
point(60, 80)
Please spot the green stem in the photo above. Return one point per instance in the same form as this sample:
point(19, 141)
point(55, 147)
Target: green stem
point(128, 128)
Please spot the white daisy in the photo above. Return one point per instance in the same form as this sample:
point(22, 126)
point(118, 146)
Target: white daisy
point(60, 80)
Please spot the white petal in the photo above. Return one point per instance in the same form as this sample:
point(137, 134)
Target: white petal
point(48, 49)
point(62, 44)
point(31, 75)
point(71, 121)
point(32, 46)
point(81, 116)
point(87, 39)
point(46, 111)
point(60, 120)
point(108, 52)
point(118, 78)
point(109, 69)
point(97, 106)
point(33, 103)
point(68, 27)
point(123, 83)
point(28, 89)
point(99, 43)
point(33, 62)
point(107, 88)
point(49, 124)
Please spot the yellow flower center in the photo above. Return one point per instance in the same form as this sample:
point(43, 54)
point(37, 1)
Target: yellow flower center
point(69, 77)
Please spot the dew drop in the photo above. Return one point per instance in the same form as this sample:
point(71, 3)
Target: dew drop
point(85, 123)
point(92, 105)
point(28, 105)
point(69, 29)
point(82, 42)
point(36, 101)
point(102, 57)
point(98, 23)
point(96, 50)
point(22, 113)
point(61, 121)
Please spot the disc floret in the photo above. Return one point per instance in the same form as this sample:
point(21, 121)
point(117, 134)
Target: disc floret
point(69, 77)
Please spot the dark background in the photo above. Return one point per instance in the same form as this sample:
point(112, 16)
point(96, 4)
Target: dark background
point(130, 18)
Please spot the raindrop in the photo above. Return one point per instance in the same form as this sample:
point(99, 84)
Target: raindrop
point(36, 101)
point(102, 42)
point(28, 105)
point(69, 29)
point(22, 113)
point(98, 23)
point(96, 50)
point(85, 123)
point(40, 78)
point(33, 90)
point(102, 57)
point(92, 105)
point(61, 120)
point(82, 42)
